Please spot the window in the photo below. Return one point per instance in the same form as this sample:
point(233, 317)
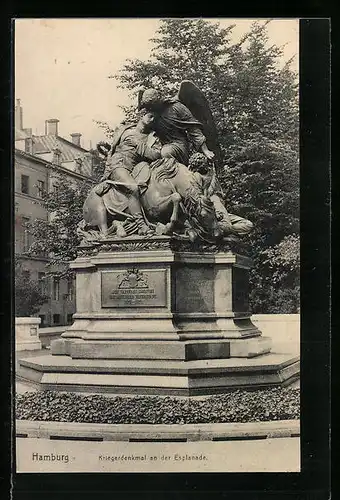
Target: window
point(25, 184)
point(56, 289)
point(42, 317)
point(42, 283)
point(41, 189)
point(26, 233)
point(70, 289)
point(26, 275)
point(69, 319)
point(40, 252)
point(56, 319)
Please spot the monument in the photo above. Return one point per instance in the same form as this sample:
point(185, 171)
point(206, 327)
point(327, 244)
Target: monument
point(161, 282)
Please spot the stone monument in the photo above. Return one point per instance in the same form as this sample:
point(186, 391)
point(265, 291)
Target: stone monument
point(26, 334)
point(161, 282)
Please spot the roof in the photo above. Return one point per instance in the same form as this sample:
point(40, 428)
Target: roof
point(69, 151)
point(49, 164)
point(20, 152)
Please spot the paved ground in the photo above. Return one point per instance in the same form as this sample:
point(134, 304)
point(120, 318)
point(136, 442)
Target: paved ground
point(266, 455)
point(20, 387)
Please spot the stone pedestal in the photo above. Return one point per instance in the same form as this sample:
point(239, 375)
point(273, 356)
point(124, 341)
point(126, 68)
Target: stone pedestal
point(26, 334)
point(157, 316)
point(161, 304)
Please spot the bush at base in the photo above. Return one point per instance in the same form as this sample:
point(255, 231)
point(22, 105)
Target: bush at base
point(237, 406)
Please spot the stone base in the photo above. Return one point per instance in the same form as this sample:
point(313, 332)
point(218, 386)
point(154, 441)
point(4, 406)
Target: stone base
point(161, 350)
point(183, 378)
point(26, 334)
point(154, 319)
point(28, 346)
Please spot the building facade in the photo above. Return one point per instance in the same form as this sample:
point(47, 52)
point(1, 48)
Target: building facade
point(39, 161)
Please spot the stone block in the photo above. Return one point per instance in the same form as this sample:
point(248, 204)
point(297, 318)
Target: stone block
point(28, 346)
point(207, 349)
point(58, 347)
point(127, 350)
point(62, 346)
point(146, 349)
point(251, 347)
point(26, 334)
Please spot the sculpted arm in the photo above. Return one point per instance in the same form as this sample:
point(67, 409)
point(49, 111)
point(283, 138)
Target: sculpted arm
point(151, 148)
point(194, 130)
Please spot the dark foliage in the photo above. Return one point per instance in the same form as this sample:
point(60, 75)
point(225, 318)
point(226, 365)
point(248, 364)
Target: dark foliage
point(254, 100)
point(28, 295)
point(237, 406)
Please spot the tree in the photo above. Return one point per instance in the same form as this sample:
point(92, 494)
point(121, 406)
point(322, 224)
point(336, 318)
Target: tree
point(57, 236)
point(279, 279)
point(183, 49)
point(28, 295)
point(254, 100)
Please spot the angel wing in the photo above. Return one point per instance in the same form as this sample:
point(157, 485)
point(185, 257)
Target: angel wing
point(194, 99)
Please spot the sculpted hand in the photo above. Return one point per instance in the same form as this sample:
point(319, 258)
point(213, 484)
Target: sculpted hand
point(105, 177)
point(209, 154)
point(151, 139)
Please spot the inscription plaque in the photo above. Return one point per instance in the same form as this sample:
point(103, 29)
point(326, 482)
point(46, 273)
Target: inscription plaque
point(134, 287)
point(195, 289)
point(240, 289)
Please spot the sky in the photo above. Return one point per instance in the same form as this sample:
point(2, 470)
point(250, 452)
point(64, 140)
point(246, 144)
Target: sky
point(62, 67)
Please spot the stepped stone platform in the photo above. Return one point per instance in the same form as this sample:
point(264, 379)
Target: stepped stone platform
point(182, 378)
point(156, 316)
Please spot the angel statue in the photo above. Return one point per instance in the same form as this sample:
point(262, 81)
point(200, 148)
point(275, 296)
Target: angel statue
point(180, 120)
point(147, 187)
point(188, 118)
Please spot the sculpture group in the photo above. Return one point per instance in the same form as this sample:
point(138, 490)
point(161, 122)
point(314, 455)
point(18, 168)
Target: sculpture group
point(161, 315)
point(152, 185)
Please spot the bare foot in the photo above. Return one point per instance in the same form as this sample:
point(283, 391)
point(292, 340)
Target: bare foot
point(117, 229)
point(121, 233)
point(144, 230)
point(168, 228)
point(160, 228)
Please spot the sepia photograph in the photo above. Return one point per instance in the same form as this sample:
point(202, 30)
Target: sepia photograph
point(157, 245)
